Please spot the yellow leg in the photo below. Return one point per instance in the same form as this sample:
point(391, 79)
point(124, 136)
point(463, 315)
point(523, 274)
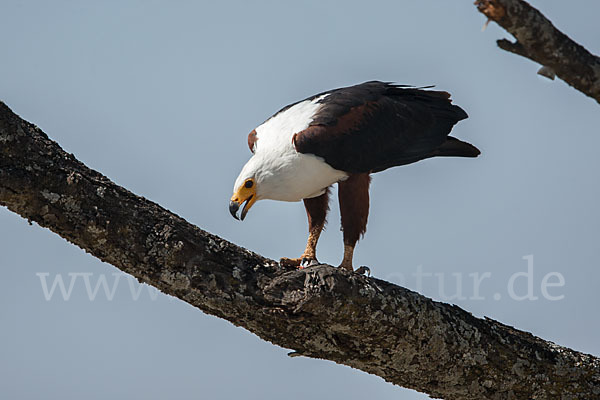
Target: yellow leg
point(310, 253)
point(316, 211)
point(348, 255)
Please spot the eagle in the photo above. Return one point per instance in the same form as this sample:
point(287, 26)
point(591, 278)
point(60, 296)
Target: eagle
point(343, 136)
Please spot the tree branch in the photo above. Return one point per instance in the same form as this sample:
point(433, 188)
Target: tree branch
point(320, 312)
point(540, 41)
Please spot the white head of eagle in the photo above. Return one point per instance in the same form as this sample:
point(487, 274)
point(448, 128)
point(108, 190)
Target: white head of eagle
point(342, 136)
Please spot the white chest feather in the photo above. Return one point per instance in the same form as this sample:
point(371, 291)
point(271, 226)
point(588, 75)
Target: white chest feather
point(280, 171)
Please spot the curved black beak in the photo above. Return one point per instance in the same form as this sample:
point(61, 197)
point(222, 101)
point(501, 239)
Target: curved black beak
point(246, 208)
point(234, 206)
point(233, 209)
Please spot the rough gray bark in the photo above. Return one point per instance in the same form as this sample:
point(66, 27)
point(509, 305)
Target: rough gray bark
point(540, 41)
point(320, 312)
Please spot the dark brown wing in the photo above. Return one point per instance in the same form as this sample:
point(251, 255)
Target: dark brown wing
point(374, 126)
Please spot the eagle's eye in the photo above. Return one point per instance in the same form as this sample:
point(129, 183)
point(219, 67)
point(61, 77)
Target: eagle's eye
point(248, 184)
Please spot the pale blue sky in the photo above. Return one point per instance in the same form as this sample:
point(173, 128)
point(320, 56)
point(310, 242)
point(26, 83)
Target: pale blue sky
point(159, 96)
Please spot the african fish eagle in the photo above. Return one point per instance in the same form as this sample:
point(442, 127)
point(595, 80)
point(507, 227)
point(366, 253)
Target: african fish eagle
point(342, 136)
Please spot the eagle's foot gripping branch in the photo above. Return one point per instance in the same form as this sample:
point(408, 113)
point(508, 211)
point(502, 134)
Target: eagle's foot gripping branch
point(363, 270)
point(301, 262)
point(347, 266)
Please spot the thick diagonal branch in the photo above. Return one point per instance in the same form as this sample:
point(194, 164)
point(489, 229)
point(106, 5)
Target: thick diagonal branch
point(540, 41)
point(320, 312)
